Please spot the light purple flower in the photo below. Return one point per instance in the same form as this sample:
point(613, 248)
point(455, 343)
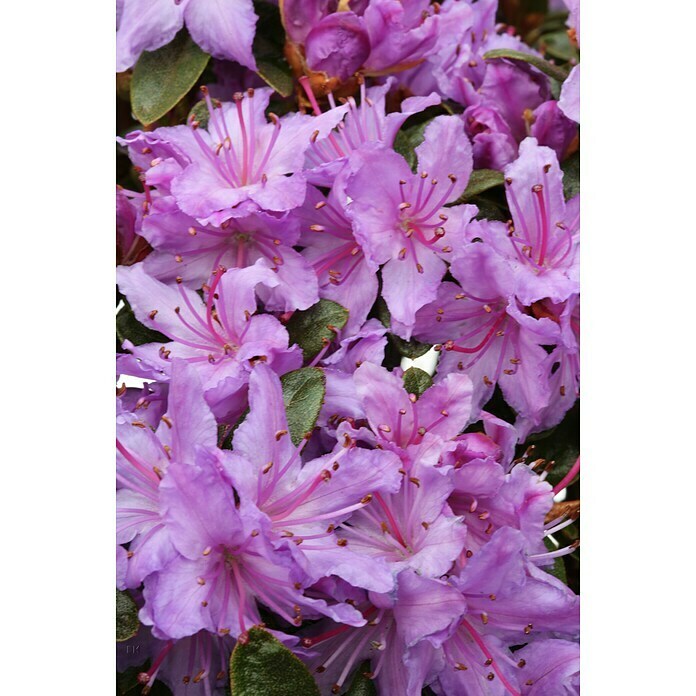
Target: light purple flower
point(569, 103)
point(305, 503)
point(399, 638)
point(484, 337)
point(190, 251)
point(399, 218)
point(367, 122)
point(508, 602)
point(220, 335)
point(542, 242)
point(142, 460)
point(402, 33)
point(337, 259)
point(226, 560)
point(223, 28)
point(337, 45)
point(551, 668)
point(239, 165)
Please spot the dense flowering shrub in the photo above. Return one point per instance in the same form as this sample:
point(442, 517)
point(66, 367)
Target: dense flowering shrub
point(312, 194)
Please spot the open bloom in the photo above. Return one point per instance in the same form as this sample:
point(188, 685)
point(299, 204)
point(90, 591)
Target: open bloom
point(190, 251)
point(399, 218)
point(486, 336)
point(305, 503)
point(344, 275)
point(220, 334)
point(366, 122)
point(142, 460)
point(239, 164)
point(400, 637)
point(542, 241)
point(223, 28)
point(226, 562)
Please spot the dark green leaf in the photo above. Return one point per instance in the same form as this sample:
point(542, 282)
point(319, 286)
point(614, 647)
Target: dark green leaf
point(126, 617)
point(303, 394)
point(481, 180)
point(269, 40)
point(361, 685)
point(199, 113)
point(407, 140)
point(161, 78)
point(275, 72)
point(558, 569)
point(128, 327)
point(539, 63)
point(312, 328)
point(416, 381)
point(571, 176)
point(263, 666)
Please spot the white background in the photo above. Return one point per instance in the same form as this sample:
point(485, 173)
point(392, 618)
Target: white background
point(57, 342)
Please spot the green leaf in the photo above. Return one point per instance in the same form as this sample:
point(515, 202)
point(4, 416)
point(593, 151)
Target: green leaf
point(571, 176)
point(481, 180)
point(269, 40)
point(312, 328)
point(558, 569)
point(361, 685)
point(303, 394)
point(263, 666)
point(416, 381)
point(128, 327)
point(407, 140)
point(199, 113)
point(161, 78)
point(539, 63)
point(127, 623)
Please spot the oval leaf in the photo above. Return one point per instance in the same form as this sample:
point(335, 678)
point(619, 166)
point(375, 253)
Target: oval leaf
point(303, 394)
point(127, 623)
point(416, 381)
point(161, 78)
point(263, 666)
point(312, 328)
point(539, 63)
point(481, 180)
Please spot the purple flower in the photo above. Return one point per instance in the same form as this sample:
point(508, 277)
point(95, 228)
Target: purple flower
point(142, 460)
point(508, 601)
point(337, 259)
point(239, 165)
point(485, 336)
point(399, 638)
point(402, 33)
point(190, 251)
point(337, 45)
point(192, 666)
point(495, 145)
point(569, 102)
point(226, 560)
point(399, 218)
point(366, 123)
point(219, 334)
point(305, 503)
point(130, 246)
point(541, 243)
point(550, 667)
point(223, 28)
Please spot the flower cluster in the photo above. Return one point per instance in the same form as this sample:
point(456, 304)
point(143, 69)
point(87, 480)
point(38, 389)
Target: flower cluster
point(366, 513)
